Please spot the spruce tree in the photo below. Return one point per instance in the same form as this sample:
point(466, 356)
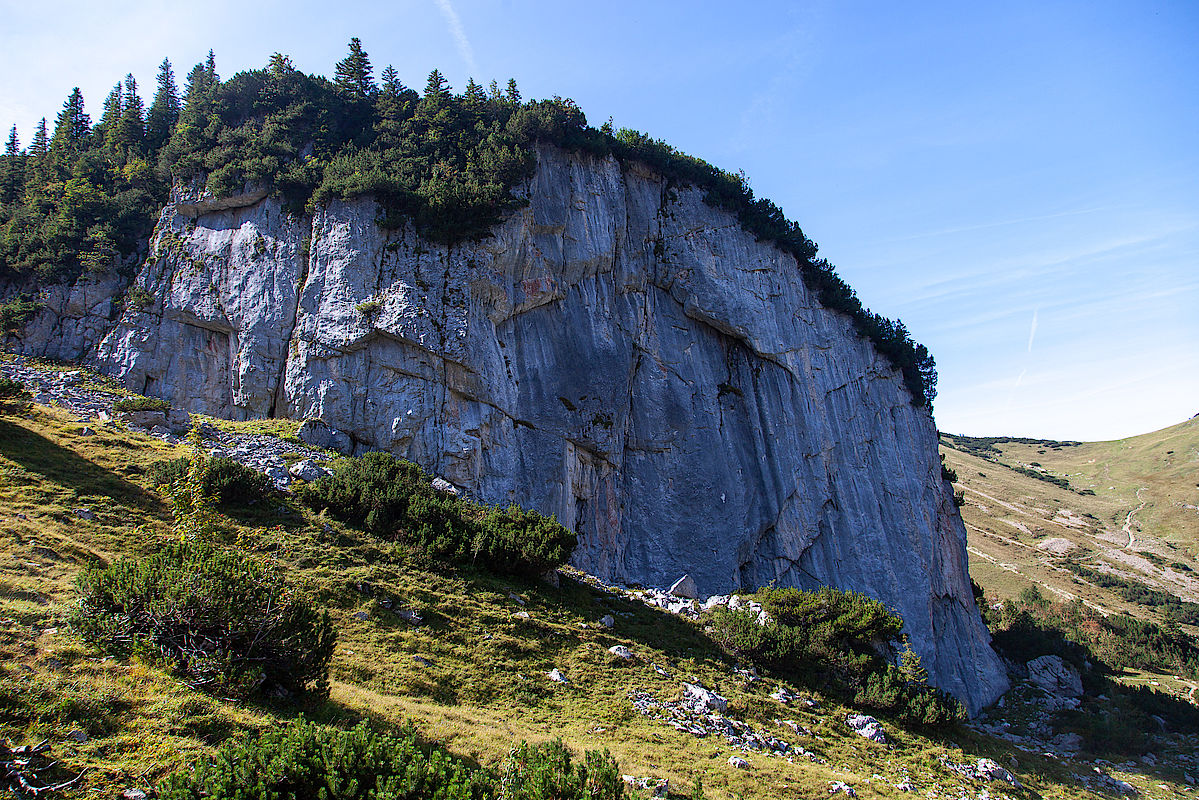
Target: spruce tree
point(38, 167)
point(210, 69)
point(132, 134)
point(108, 129)
point(437, 88)
point(279, 66)
point(197, 85)
point(513, 94)
point(12, 170)
point(353, 73)
point(71, 127)
point(40, 145)
point(391, 81)
point(164, 111)
point(474, 94)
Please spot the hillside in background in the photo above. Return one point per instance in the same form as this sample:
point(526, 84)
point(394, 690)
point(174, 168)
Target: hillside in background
point(1113, 525)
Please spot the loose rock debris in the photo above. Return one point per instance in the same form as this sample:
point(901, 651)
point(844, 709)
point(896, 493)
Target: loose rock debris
point(690, 716)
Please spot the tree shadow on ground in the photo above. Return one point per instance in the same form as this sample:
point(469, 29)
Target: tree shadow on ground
point(60, 465)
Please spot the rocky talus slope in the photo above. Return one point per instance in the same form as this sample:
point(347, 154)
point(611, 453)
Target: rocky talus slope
point(616, 353)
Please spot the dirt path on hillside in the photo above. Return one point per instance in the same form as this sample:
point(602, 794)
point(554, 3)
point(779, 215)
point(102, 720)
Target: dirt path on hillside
point(1062, 593)
point(1128, 520)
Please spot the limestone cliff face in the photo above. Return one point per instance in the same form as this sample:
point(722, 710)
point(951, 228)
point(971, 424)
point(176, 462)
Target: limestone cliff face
point(617, 353)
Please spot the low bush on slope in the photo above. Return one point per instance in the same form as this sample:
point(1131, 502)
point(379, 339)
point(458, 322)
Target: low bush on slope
point(309, 760)
point(395, 499)
point(831, 639)
point(218, 618)
point(229, 482)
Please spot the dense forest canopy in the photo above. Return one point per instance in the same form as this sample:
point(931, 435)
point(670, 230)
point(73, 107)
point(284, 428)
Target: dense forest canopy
point(84, 197)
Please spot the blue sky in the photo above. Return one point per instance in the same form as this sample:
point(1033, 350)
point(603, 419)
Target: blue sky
point(1018, 181)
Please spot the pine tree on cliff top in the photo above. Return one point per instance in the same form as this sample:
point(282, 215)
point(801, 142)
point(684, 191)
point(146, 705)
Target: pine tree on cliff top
point(72, 126)
point(12, 169)
point(164, 111)
point(353, 74)
point(132, 135)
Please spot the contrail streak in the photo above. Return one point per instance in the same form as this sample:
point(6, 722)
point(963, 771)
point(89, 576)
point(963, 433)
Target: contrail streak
point(464, 48)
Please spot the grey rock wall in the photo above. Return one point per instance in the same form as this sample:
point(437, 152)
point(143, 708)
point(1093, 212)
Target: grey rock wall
point(617, 353)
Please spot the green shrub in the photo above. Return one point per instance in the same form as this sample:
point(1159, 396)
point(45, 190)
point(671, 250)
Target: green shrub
point(1173, 608)
point(544, 772)
point(948, 473)
point(228, 482)
point(139, 403)
point(832, 639)
point(368, 307)
point(221, 620)
point(395, 499)
point(13, 394)
point(16, 312)
point(138, 298)
point(306, 760)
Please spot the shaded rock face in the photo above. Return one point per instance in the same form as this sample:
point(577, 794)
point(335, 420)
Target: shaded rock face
point(617, 353)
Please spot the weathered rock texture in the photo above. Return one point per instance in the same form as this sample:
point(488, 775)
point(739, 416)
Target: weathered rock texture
point(617, 353)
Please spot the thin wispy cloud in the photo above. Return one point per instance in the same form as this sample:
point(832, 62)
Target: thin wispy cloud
point(1000, 224)
point(1011, 395)
point(459, 34)
point(1032, 330)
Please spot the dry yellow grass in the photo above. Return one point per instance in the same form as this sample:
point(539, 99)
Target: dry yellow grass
point(482, 684)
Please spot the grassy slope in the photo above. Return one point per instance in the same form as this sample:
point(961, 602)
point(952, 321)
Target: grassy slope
point(483, 687)
point(1008, 514)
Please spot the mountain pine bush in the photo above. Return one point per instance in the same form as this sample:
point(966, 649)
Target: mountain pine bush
point(395, 499)
point(307, 760)
point(219, 619)
point(228, 482)
point(832, 639)
point(139, 403)
point(543, 771)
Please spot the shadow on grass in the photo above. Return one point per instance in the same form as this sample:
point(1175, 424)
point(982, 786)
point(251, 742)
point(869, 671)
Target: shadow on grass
point(675, 636)
point(68, 469)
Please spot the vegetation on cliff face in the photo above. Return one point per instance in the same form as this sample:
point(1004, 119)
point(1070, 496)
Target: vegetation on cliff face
point(84, 198)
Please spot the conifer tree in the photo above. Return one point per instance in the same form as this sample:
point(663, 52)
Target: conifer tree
point(164, 111)
point(210, 69)
point(391, 81)
point(474, 94)
point(353, 73)
point(493, 91)
point(392, 107)
point(437, 88)
point(513, 94)
point(279, 65)
point(40, 145)
point(197, 85)
point(38, 166)
point(12, 170)
point(71, 127)
point(108, 129)
point(132, 135)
